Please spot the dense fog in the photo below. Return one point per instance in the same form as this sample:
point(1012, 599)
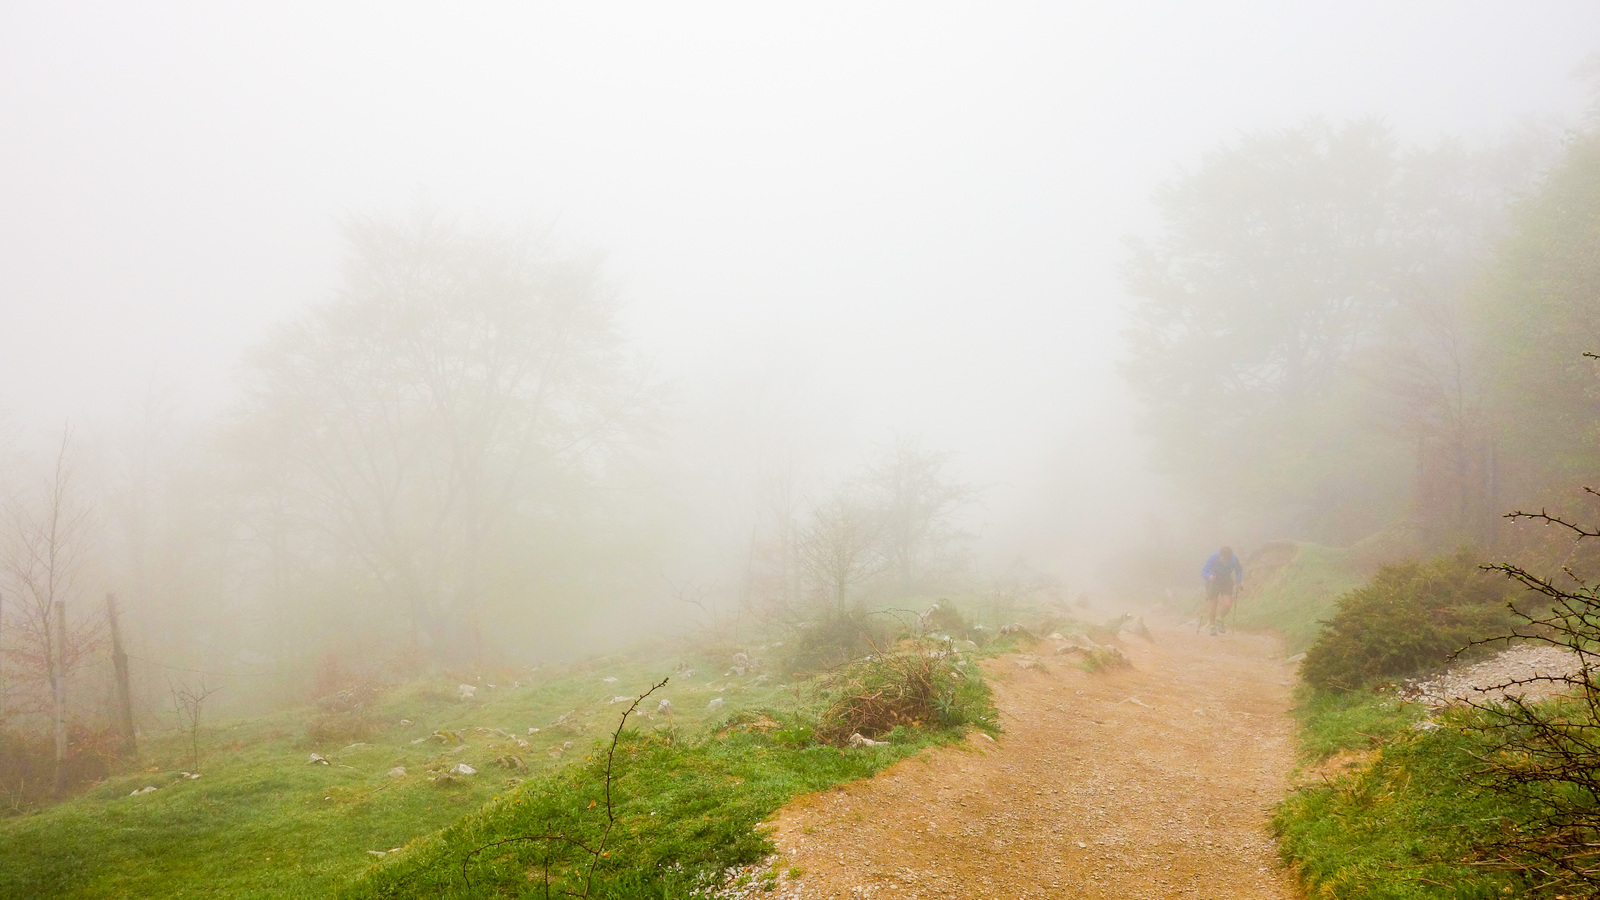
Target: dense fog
point(515, 332)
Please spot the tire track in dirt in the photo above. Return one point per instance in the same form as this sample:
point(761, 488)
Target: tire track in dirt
point(1154, 781)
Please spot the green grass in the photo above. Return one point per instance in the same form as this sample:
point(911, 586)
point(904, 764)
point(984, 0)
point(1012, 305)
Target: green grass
point(684, 812)
point(1407, 822)
point(1405, 827)
point(1296, 599)
point(261, 822)
point(684, 809)
point(1331, 723)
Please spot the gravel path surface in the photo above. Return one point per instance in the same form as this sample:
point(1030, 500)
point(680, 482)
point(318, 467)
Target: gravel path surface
point(1153, 781)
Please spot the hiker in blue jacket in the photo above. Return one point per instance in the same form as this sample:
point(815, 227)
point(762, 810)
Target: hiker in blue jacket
point(1223, 575)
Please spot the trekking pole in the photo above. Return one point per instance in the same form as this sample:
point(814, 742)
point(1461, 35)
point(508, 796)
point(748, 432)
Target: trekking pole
point(1199, 612)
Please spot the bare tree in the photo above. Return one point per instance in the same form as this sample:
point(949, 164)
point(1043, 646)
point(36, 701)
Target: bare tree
point(45, 542)
point(188, 704)
point(839, 549)
point(772, 568)
point(916, 501)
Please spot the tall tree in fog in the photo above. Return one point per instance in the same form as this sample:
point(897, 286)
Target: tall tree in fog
point(45, 544)
point(840, 549)
point(1293, 278)
point(1539, 309)
point(1430, 366)
point(416, 424)
point(1248, 309)
point(916, 499)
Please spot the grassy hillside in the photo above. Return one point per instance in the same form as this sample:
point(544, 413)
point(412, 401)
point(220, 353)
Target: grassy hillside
point(262, 820)
point(1292, 589)
point(1395, 801)
point(1386, 809)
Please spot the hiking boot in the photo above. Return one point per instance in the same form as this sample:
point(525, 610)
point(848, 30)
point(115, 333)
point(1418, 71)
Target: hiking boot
point(1214, 631)
point(1221, 629)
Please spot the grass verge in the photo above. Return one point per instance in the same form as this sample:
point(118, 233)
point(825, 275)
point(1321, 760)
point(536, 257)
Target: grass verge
point(1386, 808)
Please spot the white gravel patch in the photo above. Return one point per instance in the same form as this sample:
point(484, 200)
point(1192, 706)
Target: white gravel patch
point(1489, 680)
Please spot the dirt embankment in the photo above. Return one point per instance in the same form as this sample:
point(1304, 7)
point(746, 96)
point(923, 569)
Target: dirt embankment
point(1154, 781)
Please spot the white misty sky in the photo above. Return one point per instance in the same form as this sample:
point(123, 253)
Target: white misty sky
point(911, 213)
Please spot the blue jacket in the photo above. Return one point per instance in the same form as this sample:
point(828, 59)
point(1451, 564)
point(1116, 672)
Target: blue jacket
point(1216, 568)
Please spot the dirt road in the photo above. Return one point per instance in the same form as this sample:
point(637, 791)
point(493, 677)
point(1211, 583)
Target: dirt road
point(1154, 781)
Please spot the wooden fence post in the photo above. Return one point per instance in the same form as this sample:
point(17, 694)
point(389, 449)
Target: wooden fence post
point(59, 665)
point(119, 661)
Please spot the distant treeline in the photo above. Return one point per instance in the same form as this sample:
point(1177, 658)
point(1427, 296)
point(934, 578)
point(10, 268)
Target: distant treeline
point(1338, 337)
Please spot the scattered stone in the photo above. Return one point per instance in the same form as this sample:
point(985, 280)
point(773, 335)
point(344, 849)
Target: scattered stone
point(620, 699)
point(1116, 626)
point(397, 772)
point(857, 740)
point(465, 691)
point(377, 853)
point(511, 761)
point(664, 707)
point(407, 722)
point(609, 680)
point(462, 769)
point(533, 731)
point(190, 775)
point(317, 759)
point(716, 703)
point(144, 790)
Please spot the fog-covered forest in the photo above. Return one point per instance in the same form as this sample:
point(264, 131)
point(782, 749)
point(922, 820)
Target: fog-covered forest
point(359, 362)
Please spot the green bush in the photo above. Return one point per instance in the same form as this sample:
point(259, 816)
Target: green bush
point(1410, 618)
